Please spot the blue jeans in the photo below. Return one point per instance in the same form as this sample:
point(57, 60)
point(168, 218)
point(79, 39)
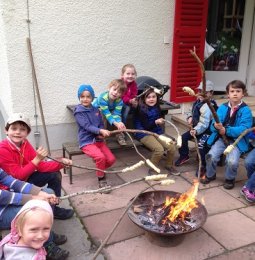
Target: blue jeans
point(125, 112)
point(51, 179)
point(250, 168)
point(11, 211)
point(202, 146)
point(213, 157)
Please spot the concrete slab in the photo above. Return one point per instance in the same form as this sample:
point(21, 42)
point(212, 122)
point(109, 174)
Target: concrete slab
point(100, 225)
point(215, 204)
point(231, 229)
point(249, 212)
point(196, 245)
point(247, 252)
point(87, 205)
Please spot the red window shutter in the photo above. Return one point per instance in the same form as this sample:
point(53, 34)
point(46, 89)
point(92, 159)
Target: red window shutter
point(189, 31)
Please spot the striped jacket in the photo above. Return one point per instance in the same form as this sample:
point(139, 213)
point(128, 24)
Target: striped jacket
point(111, 110)
point(20, 193)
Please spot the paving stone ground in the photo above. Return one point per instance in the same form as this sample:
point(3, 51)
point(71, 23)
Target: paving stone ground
point(228, 232)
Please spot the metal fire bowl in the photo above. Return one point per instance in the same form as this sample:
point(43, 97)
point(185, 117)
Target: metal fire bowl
point(199, 214)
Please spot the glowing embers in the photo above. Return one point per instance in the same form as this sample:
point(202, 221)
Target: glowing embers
point(167, 212)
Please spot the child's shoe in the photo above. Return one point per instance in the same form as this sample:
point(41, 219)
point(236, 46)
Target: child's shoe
point(181, 160)
point(229, 184)
point(172, 170)
point(121, 139)
point(249, 196)
point(207, 180)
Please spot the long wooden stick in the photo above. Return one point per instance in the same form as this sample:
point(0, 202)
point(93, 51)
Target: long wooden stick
point(233, 145)
point(38, 93)
point(208, 102)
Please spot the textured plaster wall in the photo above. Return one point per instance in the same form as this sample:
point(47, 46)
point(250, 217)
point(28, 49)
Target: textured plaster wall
point(77, 42)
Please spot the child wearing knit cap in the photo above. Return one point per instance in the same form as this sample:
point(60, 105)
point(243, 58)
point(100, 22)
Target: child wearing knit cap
point(91, 133)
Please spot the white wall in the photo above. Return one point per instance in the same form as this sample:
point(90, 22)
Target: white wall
point(77, 42)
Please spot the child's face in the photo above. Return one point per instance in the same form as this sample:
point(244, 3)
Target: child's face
point(17, 133)
point(86, 98)
point(208, 94)
point(36, 229)
point(151, 99)
point(114, 92)
point(235, 95)
point(129, 75)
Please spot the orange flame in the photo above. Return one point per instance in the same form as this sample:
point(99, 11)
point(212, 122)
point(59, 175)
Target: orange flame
point(184, 204)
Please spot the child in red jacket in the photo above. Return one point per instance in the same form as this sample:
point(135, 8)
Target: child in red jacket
point(19, 159)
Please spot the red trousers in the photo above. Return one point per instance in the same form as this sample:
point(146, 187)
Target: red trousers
point(101, 154)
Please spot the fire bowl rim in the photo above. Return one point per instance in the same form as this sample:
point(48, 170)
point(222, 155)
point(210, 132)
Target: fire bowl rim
point(131, 214)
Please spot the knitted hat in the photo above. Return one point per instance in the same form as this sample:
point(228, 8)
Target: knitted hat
point(19, 117)
point(209, 85)
point(86, 88)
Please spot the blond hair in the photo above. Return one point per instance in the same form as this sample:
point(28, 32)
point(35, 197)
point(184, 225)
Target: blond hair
point(129, 65)
point(119, 83)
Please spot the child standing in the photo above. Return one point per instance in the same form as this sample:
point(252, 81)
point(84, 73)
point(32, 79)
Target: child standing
point(148, 117)
point(91, 132)
point(235, 117)
point(199, 119)
point(19, 159)
point(30, 229)
point(110, 104)
point(128, 74)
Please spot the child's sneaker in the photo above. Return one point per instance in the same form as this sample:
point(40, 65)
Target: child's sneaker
point(55, 253)
point(181, 160)
point(121, 139)
point(249, 196)
point(172, 170)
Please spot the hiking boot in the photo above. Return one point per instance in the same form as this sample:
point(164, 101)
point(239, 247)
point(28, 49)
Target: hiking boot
point(55, 253)
point(58, 239)
point(207, 180)
point(181, 160)
point(121, 139)
point(61, 213)
point(172, 170)
point(229, 184)
point(249, 196)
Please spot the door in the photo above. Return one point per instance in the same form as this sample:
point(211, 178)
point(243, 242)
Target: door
point(229, 27)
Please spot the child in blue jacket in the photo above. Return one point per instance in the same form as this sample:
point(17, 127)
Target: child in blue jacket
point(91, 132)
point(235, 117)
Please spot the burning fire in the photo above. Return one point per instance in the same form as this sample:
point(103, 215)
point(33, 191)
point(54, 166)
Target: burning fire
point(180, 207)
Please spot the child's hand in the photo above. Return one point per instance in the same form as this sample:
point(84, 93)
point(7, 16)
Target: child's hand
point(159, 121)
point(193, 132)
point(104, 132)
point(218, 126)
point(133, 102)
point(119, 125)
point(51, 198)
point(41, 153)
point(67, 162)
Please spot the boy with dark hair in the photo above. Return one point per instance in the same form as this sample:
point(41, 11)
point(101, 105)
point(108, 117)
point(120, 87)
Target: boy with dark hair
point(19, 159)
point(235, 117)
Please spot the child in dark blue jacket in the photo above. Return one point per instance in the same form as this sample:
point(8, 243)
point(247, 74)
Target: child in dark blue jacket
point(148, 117)
point(91, 132)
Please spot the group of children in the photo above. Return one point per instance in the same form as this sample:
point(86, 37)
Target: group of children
point(25, 171)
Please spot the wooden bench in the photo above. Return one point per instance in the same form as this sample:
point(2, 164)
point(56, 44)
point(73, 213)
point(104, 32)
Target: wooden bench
point(71, 149)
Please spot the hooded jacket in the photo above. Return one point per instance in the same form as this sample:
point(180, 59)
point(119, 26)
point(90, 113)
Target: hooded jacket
point(9, 248)
point(89, 122)
point(130, 93)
